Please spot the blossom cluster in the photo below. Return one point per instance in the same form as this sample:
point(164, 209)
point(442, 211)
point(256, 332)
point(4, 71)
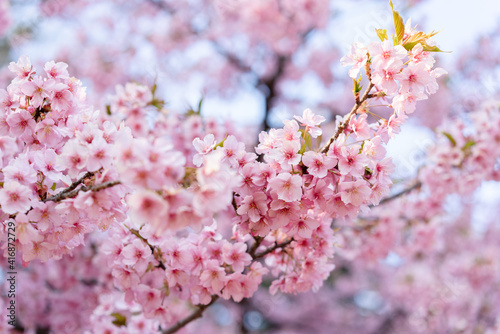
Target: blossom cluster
point(457, 163)
point(400, 72)
point(443, 258)
point(52, 145)
point(191, 215)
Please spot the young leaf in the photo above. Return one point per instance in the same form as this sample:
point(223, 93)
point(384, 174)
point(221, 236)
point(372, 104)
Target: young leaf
point(199, 105)
point(221, 144)
point(382, 34)
point(432, 49)
point(120, 319)
point(450, 138)
point(468, 144)
point(356, 85)
point(398, 24)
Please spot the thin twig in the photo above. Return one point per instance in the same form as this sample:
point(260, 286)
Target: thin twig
point(271, 84)
point(354, 110)
point(388, 324)
point(75, 184)
point(272, 249)
point(201, 308)
point(70, 194)
point(195, 315)
point(153, 249)
point(401, 193)
point(253, 249)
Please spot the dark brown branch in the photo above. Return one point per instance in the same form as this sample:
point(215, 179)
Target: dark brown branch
point(388, 324)
point(234, 60)
point(273, 248)
point(75, 184)
point(163, 6)
point(401, 193)
point(153, 249)
point(201, 308)
point(70, 194)
point(195, 315)
point(253, 249)
point(354, 110)
point(271, 84)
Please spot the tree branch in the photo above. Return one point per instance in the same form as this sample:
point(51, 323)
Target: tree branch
point(272, 249)
point(75, 184)
point(201, 308)
point(271, 84)
point(388, 324)
point(72, 193)
point(354, 110)
point(253, 249)
point(401, 193)
point(153, 249)
point(195, 315)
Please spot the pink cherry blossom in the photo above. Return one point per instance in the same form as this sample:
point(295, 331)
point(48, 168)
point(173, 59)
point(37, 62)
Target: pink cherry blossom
point(22, 68)
point(311, 122)
point(62, 98)
point(21, 123)
point(15, 197)
point(356, 192)
point(288, 187)
point(56, 70)
point(384, 77)
point(357, 59)
point(37, 90)
point(48, 133)
point(203, 147)
point(235, 255)
point(254, 206)
point(385, 52)
point(213, 277)
point(148, 207)
point(414, 78)
point(351, 162)
point(318, 164)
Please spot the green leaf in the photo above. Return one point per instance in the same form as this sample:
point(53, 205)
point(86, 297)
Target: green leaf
point(382, 34)
point(53, 188)
point(153, 89)
point(468, 145)
point(302, 149)
point(120, 319)
point(398, 24)
point(319, 139)
point(450, 138)
point(158, 104)
point(308, 140)
point(199, 105)
point(221, 143)
point(356, 85)
point(361, 148)
point(433, 49)
point(108, 109)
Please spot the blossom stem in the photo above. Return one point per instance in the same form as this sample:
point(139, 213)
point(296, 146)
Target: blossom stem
point(195, 315)
point(401, 193)
point(273, 248)
point(344, 124)
point(153, 249)
point(198, 313)
point(72, 193)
